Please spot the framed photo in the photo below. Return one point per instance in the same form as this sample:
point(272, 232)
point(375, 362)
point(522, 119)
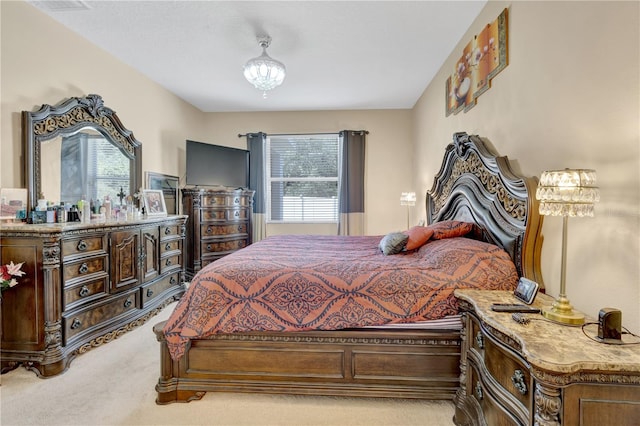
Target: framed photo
point(13, 203)
point(153, 200)
point(168, 185)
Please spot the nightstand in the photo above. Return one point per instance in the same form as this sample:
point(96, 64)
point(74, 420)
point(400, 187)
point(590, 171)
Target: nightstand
point(540, 373)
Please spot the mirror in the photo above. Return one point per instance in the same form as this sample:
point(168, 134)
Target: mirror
point(80, 150)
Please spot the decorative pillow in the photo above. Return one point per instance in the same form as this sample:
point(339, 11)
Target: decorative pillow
point(450, 229)
point(418, 236)
point(393, 243)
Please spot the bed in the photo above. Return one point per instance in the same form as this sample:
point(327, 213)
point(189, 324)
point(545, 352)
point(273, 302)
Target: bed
point(329, 315)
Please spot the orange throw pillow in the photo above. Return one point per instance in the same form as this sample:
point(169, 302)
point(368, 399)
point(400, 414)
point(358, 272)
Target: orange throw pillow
point(418, 236)
point(450, 229)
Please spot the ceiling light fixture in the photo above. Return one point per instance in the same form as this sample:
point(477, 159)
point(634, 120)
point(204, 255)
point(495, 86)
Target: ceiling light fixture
point(264, 72)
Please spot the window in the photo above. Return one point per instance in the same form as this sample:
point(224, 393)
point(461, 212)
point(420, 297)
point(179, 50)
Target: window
point(302, 178)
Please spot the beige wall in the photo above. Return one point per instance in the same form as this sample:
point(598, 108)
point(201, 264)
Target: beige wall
point(45, 63)
point(568, 98)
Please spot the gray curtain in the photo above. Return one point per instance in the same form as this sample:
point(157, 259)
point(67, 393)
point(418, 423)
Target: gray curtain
point(351, 189)
point(256, 145)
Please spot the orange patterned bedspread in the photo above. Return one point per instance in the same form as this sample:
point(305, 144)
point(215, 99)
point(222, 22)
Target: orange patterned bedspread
point(298, 283)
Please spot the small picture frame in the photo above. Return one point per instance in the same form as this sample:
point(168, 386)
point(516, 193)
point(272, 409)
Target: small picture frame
point(526, 290)
point(153, 202)
point(169, 185)
point(13, 203)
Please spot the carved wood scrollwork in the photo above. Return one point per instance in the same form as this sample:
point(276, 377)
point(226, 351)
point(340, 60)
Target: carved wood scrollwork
point(89, 110)
point(492, 184)
point(475, 184)
point(51, 255)
point(547, 406)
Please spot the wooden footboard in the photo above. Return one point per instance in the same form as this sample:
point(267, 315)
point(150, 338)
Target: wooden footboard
point(365, 363)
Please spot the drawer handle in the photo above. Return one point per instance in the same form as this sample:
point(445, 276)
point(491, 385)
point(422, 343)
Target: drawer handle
point(149, 292)
point(167, 262)
point(209, 230)
point(480, 340)
point(84, 291)
point(208, 247)
point(173, 280)
point(236, 213)
point(518, 381)
point(76, 323)
point(84, 268)
point(236, 200)
point(82, 245)
point(167, 231)
point(167, 246)
point(127, 303)
point(479, 392)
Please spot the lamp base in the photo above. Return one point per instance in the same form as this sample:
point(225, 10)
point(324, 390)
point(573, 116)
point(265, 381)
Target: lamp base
point(562, 312)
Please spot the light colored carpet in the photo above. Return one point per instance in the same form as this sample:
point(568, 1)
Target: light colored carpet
point(115, 385)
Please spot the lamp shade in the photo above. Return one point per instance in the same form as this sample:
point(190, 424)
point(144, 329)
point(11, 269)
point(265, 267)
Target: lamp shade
point(408, 199)
point(568, 192)
point(264, 72)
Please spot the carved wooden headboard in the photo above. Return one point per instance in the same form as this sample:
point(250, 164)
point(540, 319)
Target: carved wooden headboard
point(477, 185)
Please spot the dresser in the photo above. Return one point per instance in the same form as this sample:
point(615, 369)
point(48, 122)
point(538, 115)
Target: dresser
point(85, 285)
point(219, 224)
point(540, 373)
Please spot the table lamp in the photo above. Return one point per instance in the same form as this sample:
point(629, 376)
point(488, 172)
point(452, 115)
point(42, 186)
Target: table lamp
point(568, 192)
point(408, 199)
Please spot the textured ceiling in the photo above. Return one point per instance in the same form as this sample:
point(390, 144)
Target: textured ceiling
point(338, 54)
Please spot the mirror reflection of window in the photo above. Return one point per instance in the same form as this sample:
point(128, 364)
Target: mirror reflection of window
point(92, 168)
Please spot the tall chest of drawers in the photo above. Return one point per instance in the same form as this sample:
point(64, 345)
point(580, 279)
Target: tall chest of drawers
point(540, 373)
point(85, 285)
point(219, 224)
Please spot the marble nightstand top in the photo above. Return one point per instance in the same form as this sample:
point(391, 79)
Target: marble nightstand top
point(558, 349)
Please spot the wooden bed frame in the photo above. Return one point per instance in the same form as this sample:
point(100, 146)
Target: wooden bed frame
point(473, 184)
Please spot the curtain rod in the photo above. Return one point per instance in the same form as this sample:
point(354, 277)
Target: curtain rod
point(240, 135)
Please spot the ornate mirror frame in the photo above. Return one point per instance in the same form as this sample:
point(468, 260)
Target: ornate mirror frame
point(68, 118)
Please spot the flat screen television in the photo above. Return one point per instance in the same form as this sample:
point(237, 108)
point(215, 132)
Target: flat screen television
point(216, 165)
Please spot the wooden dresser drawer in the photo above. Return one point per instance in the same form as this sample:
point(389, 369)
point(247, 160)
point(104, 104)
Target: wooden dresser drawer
point(210, 230)
point(170, 262)
point(169, 246)
point(222, 246)
point(87, 245)
point(85, 267)
point(152, 291)
point(77, 323)
point(169, 231)
point(492, 410)
point(240, 213)
point(509, 371)
point(85, 292)
point(213, 200)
